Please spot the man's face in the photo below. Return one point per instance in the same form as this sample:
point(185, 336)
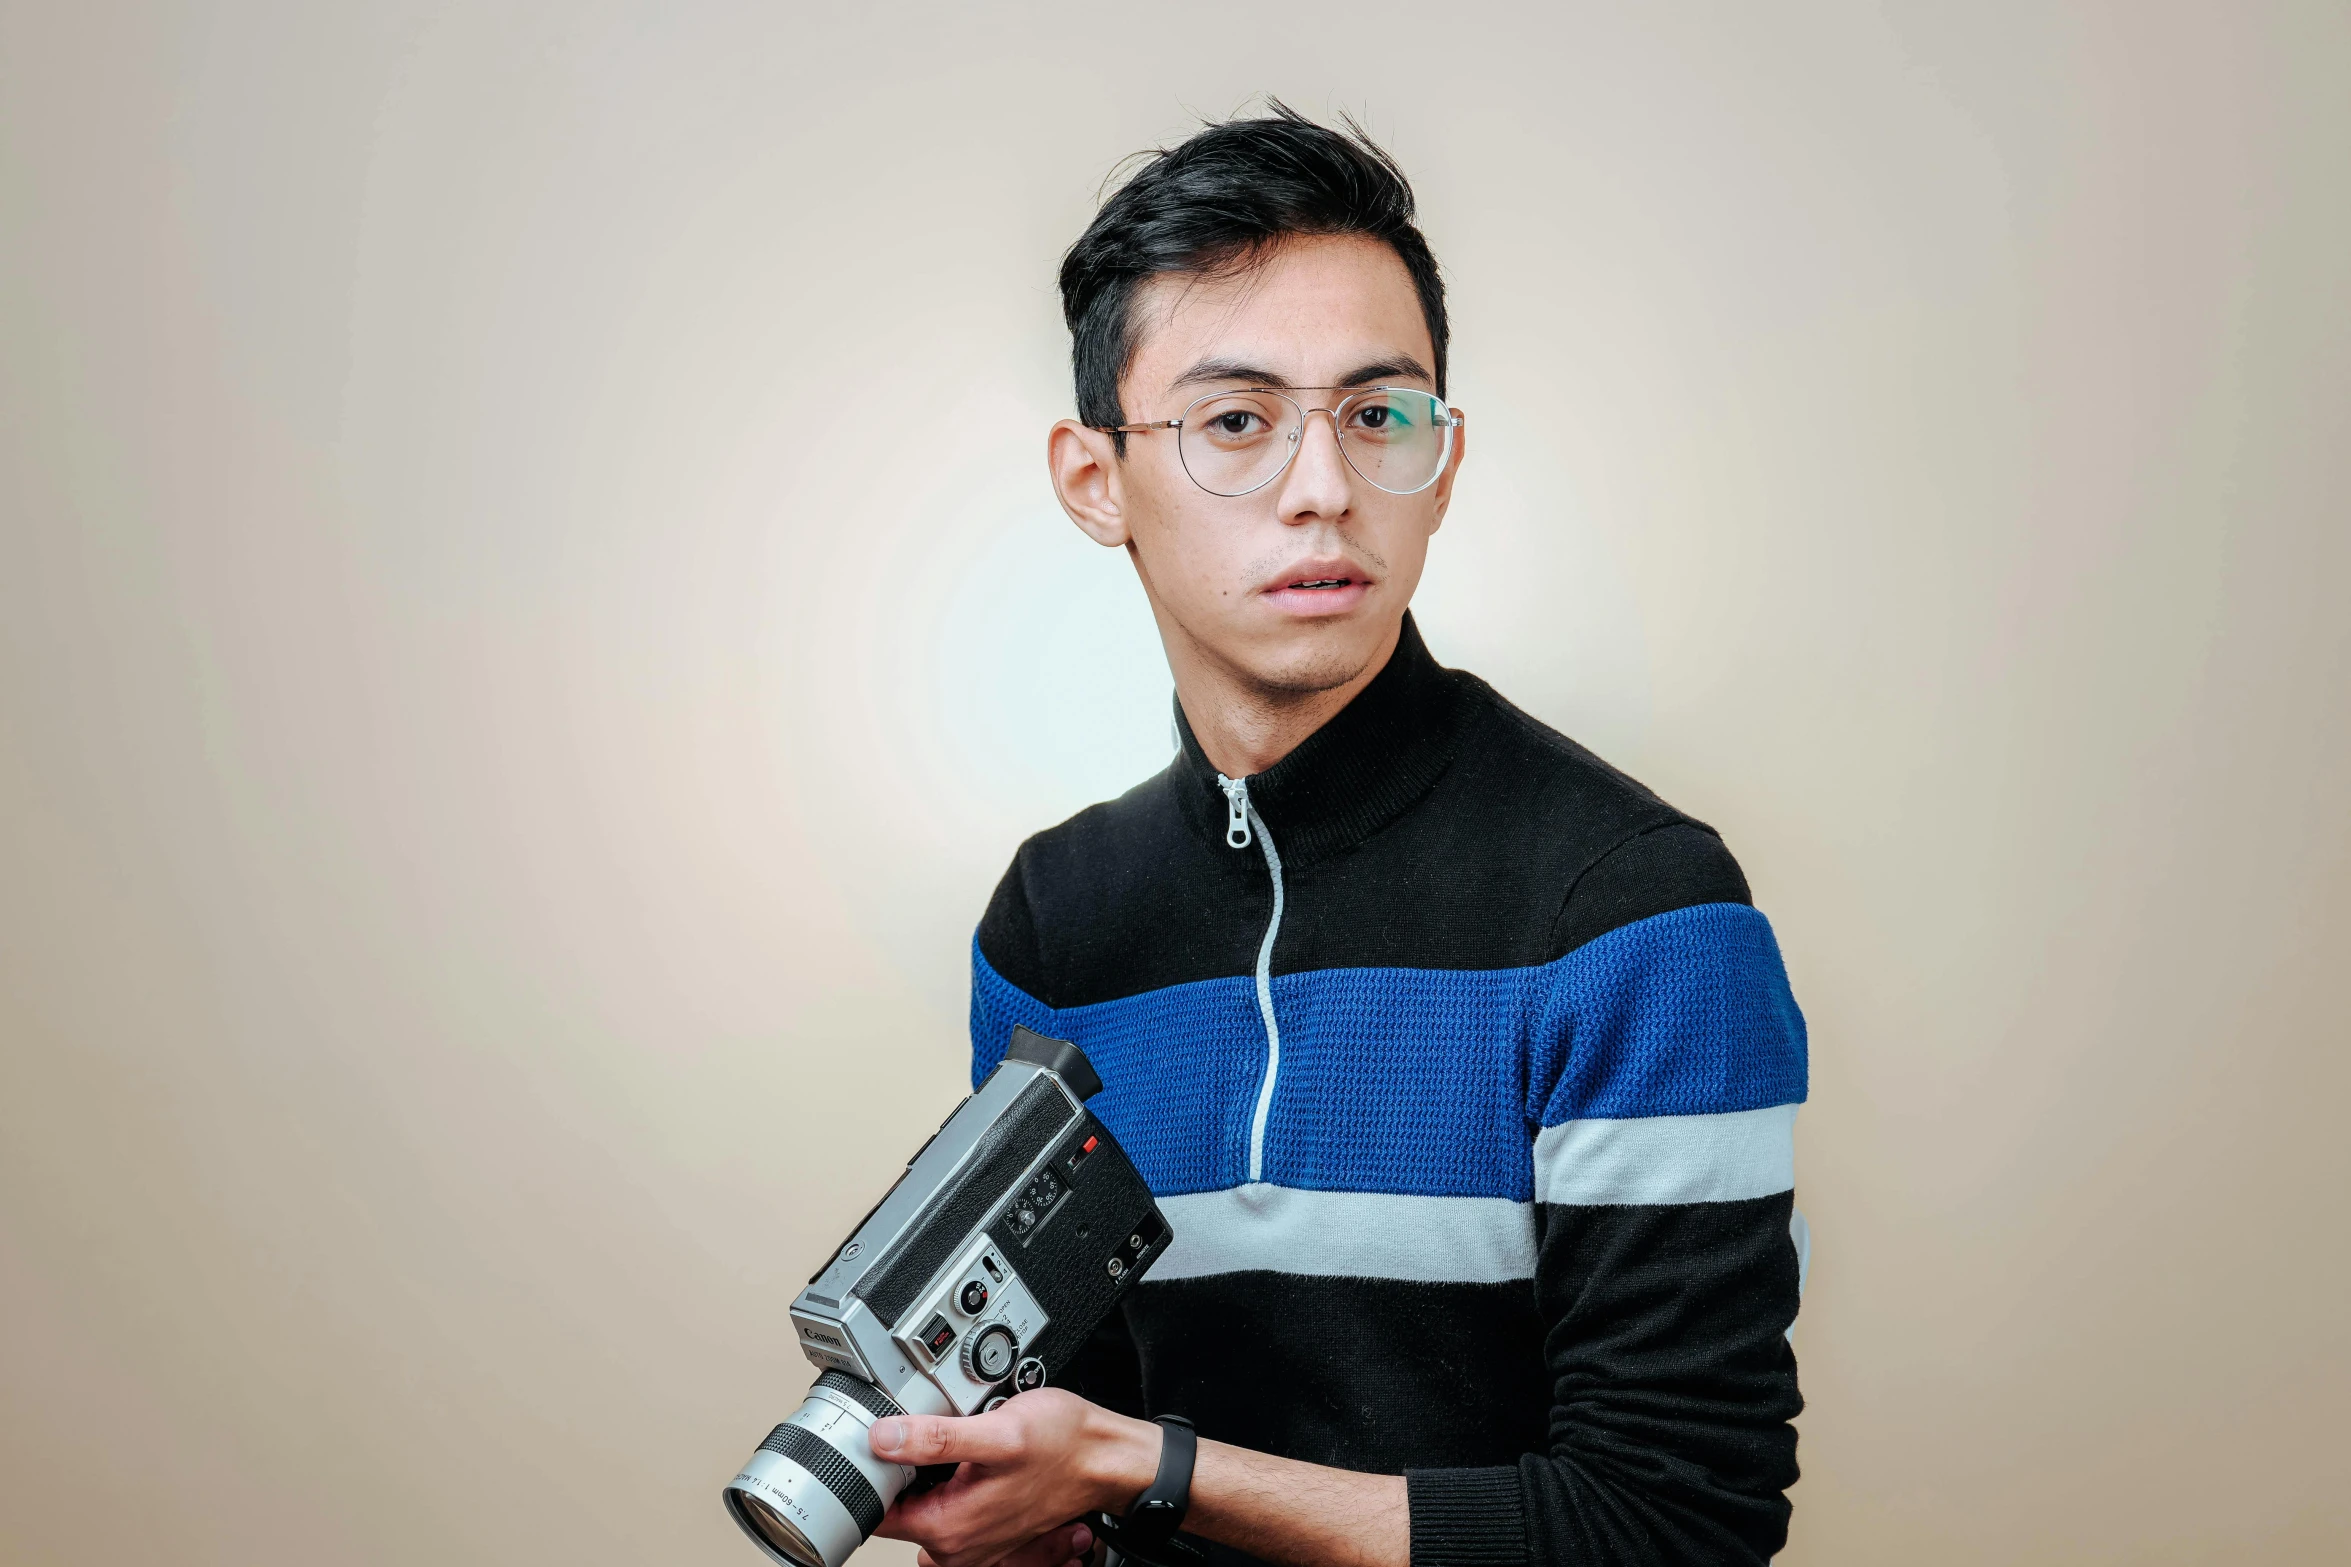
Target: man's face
point(1299, 586)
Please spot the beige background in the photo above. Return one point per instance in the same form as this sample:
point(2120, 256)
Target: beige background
point(531, 619)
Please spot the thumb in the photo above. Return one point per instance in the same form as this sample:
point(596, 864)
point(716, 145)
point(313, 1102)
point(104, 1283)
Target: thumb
point(918, 1440)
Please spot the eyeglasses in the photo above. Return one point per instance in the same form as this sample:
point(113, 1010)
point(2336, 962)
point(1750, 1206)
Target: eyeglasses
point(1233, 443)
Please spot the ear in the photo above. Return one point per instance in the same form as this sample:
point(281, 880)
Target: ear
point(1452, 471)
point(1089, 479)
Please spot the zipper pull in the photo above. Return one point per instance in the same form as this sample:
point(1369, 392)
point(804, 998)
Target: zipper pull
point(1236, 820)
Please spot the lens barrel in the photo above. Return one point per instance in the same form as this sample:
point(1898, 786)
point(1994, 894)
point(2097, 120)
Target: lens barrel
point(814, 1492)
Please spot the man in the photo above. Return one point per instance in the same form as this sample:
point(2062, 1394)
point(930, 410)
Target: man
point(1458, 1061)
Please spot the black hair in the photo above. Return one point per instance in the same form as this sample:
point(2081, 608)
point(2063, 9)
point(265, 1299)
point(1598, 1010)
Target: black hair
point(1214, 205)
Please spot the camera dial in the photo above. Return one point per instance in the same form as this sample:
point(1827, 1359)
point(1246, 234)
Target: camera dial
point(988, 1354)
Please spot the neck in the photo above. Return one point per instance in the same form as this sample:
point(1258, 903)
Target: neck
point(1245, 726)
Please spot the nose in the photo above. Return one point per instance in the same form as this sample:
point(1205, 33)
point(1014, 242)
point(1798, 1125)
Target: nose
point(1320, 483)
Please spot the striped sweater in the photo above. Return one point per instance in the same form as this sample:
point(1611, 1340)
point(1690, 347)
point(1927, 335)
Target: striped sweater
point(1467, 1075)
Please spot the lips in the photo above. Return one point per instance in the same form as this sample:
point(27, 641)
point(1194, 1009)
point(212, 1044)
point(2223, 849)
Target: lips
point(1315, 588)
point(1326, 574)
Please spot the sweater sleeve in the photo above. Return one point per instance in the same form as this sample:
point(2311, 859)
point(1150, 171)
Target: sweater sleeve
point(1005, 970)
point(1662, 1100)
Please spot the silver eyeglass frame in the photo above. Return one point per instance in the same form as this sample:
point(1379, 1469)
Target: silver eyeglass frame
point(1450, 422)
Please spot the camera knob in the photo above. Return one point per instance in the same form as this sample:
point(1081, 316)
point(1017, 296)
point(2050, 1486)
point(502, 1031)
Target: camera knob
point(989, 1354)
point(974, 1296)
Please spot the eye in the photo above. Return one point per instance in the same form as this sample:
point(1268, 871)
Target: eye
point(1384, 417)
point(1236, 422)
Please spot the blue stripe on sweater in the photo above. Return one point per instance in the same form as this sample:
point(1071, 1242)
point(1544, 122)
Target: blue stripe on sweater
point(1430, 1082)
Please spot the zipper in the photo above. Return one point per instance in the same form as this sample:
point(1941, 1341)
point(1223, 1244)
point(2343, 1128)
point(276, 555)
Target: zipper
point(1242, 824)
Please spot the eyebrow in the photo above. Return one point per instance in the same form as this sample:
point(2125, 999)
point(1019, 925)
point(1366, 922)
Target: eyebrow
point(1212, 370)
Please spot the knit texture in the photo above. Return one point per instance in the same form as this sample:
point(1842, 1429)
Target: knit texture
point(1685, 1013)
point(1466, 1517)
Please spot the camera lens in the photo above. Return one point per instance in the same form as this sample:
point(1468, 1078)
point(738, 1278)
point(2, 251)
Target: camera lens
point(761, 1522)
point(814, 1492)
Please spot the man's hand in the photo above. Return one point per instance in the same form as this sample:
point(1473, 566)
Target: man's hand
point(1026, 1471)
point(1049, 1456)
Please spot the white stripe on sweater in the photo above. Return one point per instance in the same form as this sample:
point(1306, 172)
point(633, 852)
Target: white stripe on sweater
point(1668, 1158)
point(1364, 1235)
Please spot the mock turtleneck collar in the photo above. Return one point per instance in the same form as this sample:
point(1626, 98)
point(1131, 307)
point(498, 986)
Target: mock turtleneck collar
point(1358, 772)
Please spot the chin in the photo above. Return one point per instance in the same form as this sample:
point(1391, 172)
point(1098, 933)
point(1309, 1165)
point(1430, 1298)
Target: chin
point(1322, 660)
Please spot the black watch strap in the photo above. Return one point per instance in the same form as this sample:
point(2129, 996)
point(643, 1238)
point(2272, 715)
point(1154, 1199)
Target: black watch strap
point(1147, 1533)
point(1159, 1512)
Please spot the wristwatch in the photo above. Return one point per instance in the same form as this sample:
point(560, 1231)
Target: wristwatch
point(1147, 1531)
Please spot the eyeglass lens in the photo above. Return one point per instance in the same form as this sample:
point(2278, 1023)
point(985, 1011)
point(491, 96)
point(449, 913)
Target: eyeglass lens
point(1236, 442)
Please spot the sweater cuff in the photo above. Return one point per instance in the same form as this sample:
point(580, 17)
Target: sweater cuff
point(1466, 1517)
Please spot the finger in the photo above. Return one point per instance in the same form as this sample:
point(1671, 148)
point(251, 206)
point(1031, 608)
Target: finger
point(939, 1439)
point(1053, 1548)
